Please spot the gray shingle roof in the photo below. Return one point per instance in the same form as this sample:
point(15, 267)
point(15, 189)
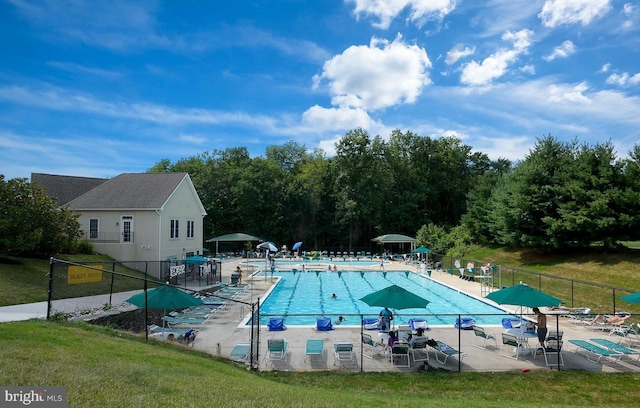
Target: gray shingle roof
point(65, 188)
point(130, 191)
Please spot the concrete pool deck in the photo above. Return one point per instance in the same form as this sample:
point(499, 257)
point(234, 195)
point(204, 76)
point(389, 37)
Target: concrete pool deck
point(224, 331)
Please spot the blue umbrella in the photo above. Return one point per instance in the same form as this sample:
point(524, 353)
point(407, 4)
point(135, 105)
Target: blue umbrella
point(297, 245)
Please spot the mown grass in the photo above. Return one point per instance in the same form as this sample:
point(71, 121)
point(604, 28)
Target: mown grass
point(103, 368)
point(566, 274)
point(26, 280)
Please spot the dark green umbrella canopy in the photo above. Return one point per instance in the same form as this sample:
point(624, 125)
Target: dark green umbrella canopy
point(165, 297)
point(632, 298)
point(421, 250)
point(395, 297)
point(522, 295)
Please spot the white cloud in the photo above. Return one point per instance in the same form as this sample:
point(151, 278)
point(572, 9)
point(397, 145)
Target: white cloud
point(563, 51)
point(558, 12)
point(322, 119)
point(58, 99)
point(377, 76)
point(528, 69)
point(76, 68)
point(387, 10)
point(457, 52)
point(496, 65)
point(605, 68)
point(572, 95)
point(623, 79)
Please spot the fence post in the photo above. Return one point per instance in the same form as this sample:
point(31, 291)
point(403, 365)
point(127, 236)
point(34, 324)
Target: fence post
point(51, 261)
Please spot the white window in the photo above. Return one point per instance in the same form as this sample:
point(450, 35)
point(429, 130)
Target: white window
point(175, 229)
point(93, 228)
point(191, 225)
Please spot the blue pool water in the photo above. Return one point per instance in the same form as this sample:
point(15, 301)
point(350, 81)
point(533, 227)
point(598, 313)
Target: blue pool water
point(304, 296)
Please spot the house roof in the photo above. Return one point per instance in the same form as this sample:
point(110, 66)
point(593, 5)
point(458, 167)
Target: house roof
point(65, 188)
point(132, 191)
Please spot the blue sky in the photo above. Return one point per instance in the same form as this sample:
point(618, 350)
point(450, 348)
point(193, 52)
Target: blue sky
point(98, 88)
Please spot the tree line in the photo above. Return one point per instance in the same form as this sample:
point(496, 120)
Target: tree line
point(561, 195)
point(436, 189)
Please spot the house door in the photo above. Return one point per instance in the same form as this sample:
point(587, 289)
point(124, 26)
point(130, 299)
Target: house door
point(126, 229)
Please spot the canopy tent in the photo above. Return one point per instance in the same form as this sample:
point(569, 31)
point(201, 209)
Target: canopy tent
point(395, 239)
point(235, 237)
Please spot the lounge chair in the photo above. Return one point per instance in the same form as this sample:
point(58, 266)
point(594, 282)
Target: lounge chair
point(596, 351)
point(241, 352)
point(416, 324)
point(618, 348)
point(177, 331)
point(277, 350)
point(480, 333)
point(314, 350)
point(400, 355)
point(509, 341)
point(368, 344)
point(183, 321)
point(276, 324)
point(419, 350)
point(324, 324)
point(552, 348)
point(630, 334)
point(343, 353)
point(446, 350)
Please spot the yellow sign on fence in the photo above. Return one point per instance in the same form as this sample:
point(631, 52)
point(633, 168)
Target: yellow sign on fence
point(82, 274)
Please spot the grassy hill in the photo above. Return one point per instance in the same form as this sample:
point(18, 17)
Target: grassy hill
point(103, 368)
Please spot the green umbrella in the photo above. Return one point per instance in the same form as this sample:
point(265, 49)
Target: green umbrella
point(165, 297)
point(395, 297)
point(195, 260)
point(421, 250)
point(632, 298)
point(522, 295)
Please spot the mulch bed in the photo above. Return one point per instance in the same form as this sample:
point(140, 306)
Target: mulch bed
point(132, 321)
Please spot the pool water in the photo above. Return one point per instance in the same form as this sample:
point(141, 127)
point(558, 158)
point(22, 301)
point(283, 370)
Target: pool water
point(302, 297)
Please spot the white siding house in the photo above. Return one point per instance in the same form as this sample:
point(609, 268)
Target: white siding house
point(142, 216)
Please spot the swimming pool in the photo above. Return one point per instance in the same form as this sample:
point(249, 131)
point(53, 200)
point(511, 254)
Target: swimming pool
point(303, 296)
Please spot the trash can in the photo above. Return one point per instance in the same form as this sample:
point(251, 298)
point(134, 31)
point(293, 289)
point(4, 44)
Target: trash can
point(234, 278)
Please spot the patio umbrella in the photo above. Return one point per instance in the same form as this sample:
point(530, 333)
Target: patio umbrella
point(395, 297)
point(522, 295)
point(164, 297)
point(296, 245)
point(195, 260)
point(632, 298)
point(421, 250)
point(268, 246)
